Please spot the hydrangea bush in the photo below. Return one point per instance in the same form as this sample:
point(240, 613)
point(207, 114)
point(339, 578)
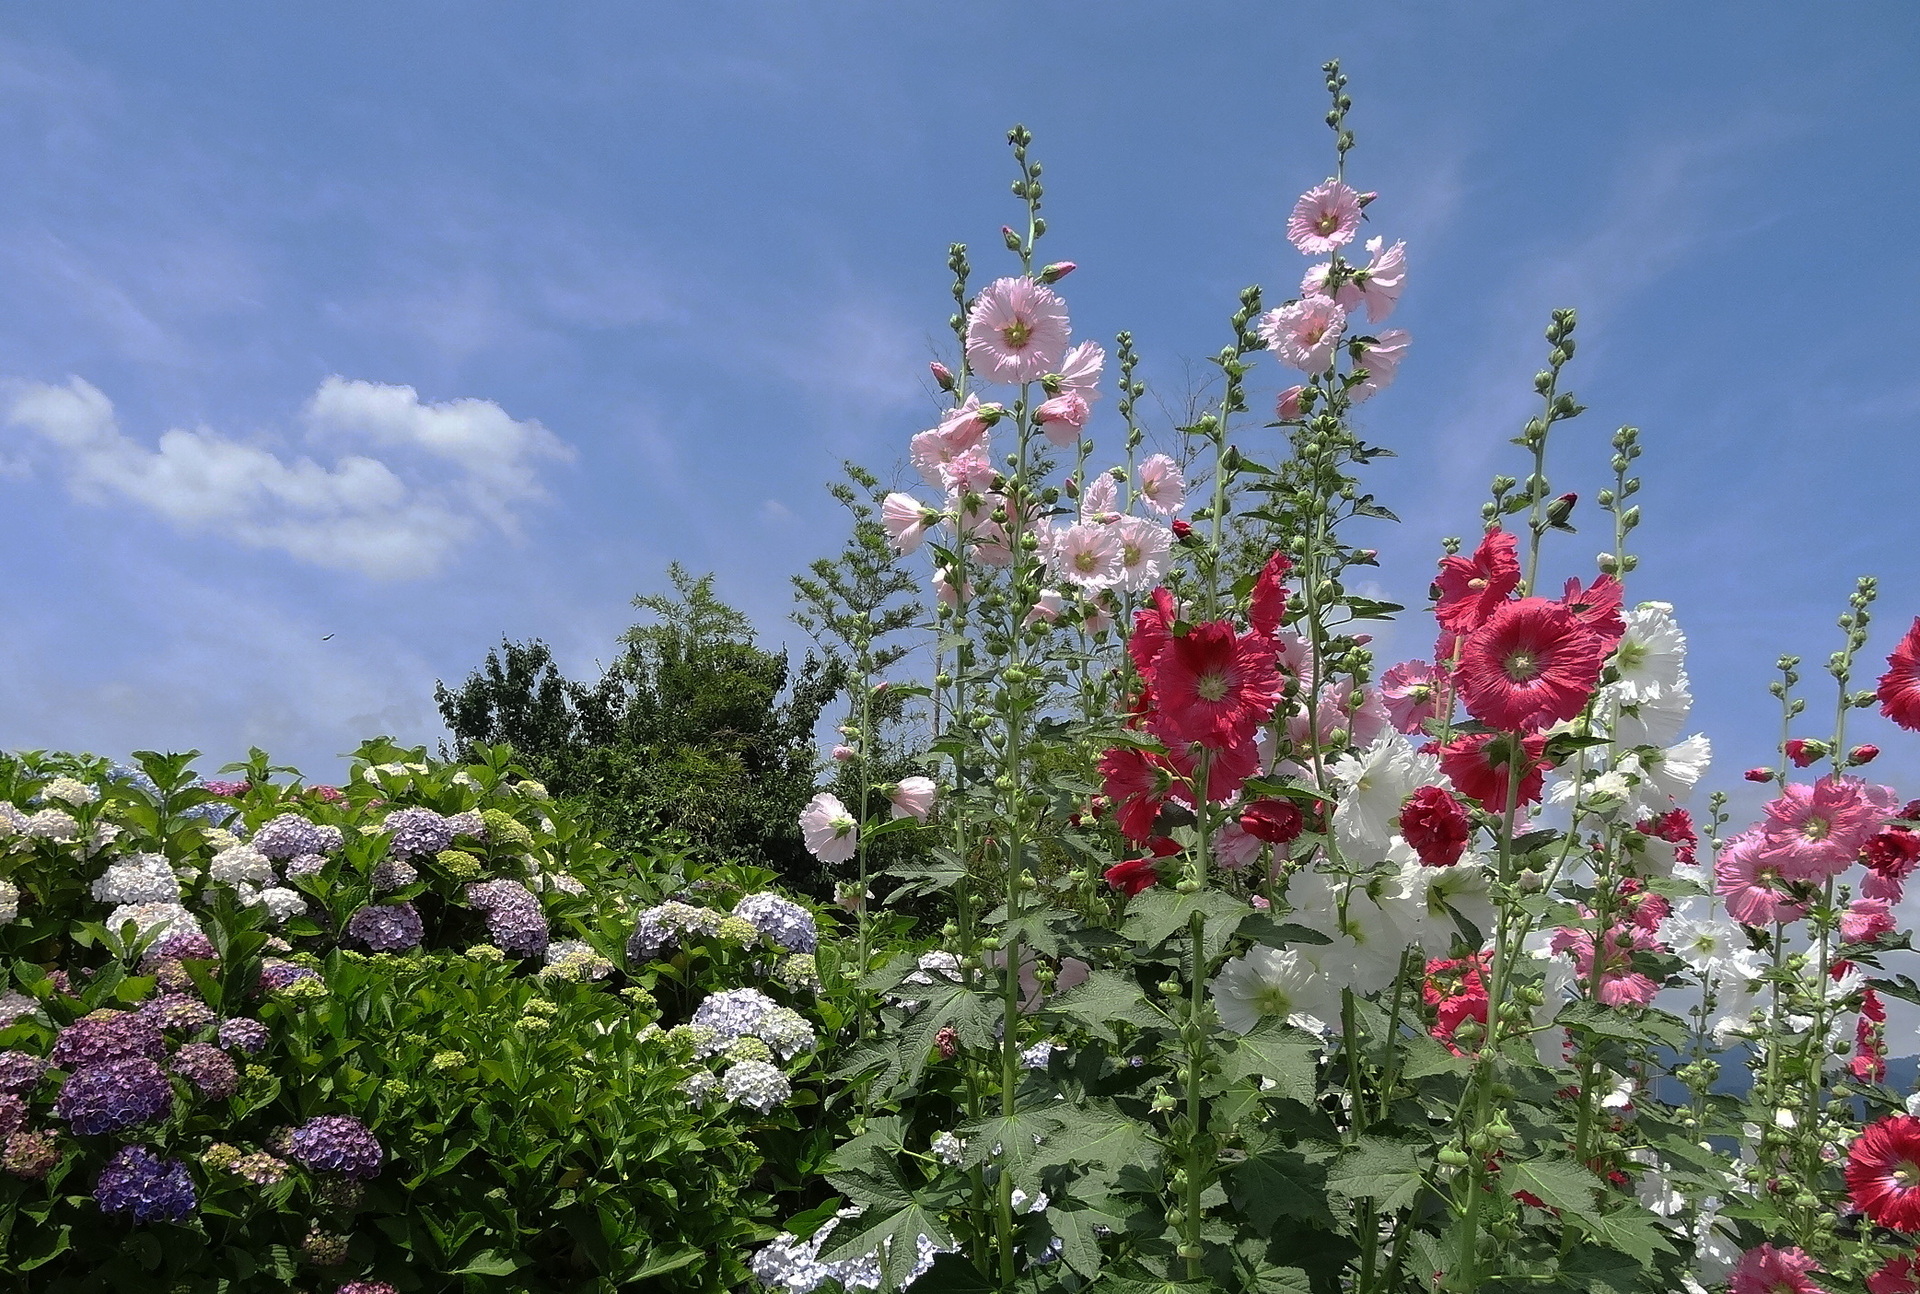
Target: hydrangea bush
point(1274, 966)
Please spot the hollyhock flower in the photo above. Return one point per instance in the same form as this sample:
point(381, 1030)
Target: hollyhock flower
point(1436, 825)
point(1375, 784)
point(1325, 219)
point(1136, 782)
point(1152, 631)
point(1652, 653)
point(1656, 719)
point(1479, 766)
point(1133, 876)
point(1415, 692)
point(1370, 926)
point(906, 520)
point(1275, 821)
point(1804, 754)
point(1286, 406)
point(1305, 333)
point(843, 754)
point(1096, 613)
point(1100, 500)
point(1016, 331)
point(1713, 947)
point(1233, 846)
point(1435, 896)
point(1089, 557)
point(1314, 284)
point(1767, 1270)
point(913, 797)
point(1046, 608)
point(1080, 370)
point(830, 833)
point(1379, 281)
point(1597, 606)
point(963, 429)
point(1758, 774)
point(1899, 689)
point(1162, 486)
point(1228, 768)
point(1062, 417)
point(1866, 919)
point(1380, 358)
point(965, 476)
point(1862, 754)
point(1529, 665)
point(1617, 984)
point(1890, 856)
point(1213, 686)
point(1145, 550)
point(1666, 776)
point(1896, 1276)
point(945, 591)
point(1267, 605)
point(1457, 991)
point(1472, 588)
point(1755, 892)
point(1273, 984)
point(1813, 832)
point(1883, 1172)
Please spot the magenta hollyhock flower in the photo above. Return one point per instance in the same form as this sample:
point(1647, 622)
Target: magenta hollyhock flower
point(1325, 219)
point(1766, 1270)
point(1473, 588)
point(1381, 359)
point(1814, 832)
point(1214, 686)
point(1414, 692)
point(1016, 331)
point(1899, 689)
point(1756, 893)
point(1532, 664)
point(1162, 487)
point(1304, 333)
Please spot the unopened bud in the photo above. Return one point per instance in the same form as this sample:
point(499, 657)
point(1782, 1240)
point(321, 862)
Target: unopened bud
point(1862, 755)
point(1057, 271)
point(942, 374)
point(1011, 239)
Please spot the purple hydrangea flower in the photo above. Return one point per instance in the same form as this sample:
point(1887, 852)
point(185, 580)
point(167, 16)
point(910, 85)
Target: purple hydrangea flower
point(515, 920)
point(107, 1036)
point(664, 924)
point(276, 974)
point(305, 865)
point(139, 1182)
point(115, 1096)
point(393, 874)
point(29, 1154)
point(783, 921)
point(13, 1115)
point(20, 1072)
point(185, 945)
point(469, 824)
point(287, 836)
point(367, 1287)
point(249, 1036)
point(417, 831)
point(333, 1143)
point(208, 1069)
point(178, 1011)
point(226, 788)
point(386, 927)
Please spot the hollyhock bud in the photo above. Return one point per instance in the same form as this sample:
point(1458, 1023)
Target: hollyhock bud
point(947, 1042)
point(1805, 752)
point(1367, 199)
point(1011, 239)
point(1560, 510)
point(841, 754)
point(1287, 407)
point(1758, 774)
point(1181, 529)
point(1058, 270)
point(942, 374)
point(1863, 754)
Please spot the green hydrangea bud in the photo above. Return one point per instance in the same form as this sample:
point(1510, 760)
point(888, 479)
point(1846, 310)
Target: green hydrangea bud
point(749, 1049)
point(459, 864)
point(505, 833)
point(642, 999)
point(798, 971)
point(738, 930)
point(446, 1060)
point(486, 953)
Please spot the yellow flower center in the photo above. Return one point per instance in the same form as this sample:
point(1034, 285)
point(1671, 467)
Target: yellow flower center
point(1016, 334)
point(1521, 666)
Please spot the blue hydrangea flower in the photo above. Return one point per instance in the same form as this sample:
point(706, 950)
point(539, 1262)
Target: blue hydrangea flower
point(386, 927)
point(333, 1143)
point(417, 831)
point(152, 1189)
point(113, 1097)
point(783, 921)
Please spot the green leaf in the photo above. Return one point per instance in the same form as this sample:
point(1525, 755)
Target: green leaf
point(1019, 1137)
point(894, 1235)
point(1096, 1135)
point(1599, 1021)
point(1158, 914)
point(1631, 1231)
point(1290, 1057)
point(1106, 998)
point(1563, 1184)
point(1590, 1267)
point(1282, 1183)
point(670, 1258)
point(1386, 1172)
point(492, 1262)
point(1426, 1057)
point(1281, 1280)
point(1263, 929)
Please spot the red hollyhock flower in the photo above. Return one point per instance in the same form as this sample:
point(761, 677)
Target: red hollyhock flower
point(1469, 589)
point(1598, 608)
point(1152, 630)
point(1675, 826)
point(1132, 876)
point(1477, 765)
point(1137, 781)
point(1227, 770)
point(1883, 1172)
point(1436, 825)
point(1275, 821)
point(1458, 993)
point(1899, 690)
point(1181, 528)
point(1758, 774)
point(1805, 754)
point(1530, 665)
point(1269, 602)
point(1214, 686)
point(1900, 1276)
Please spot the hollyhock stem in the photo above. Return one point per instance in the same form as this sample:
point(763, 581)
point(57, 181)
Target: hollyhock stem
point(1196, 1040)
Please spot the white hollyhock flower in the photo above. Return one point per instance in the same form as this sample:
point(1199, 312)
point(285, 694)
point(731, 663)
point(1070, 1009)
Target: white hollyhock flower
point(1653, 654)
point(1435, 894)
point(1715, 947)
point(1273, 984)
point(1375, 784)
point(1653, 718)
point(1369, 923)
point(1668, 776)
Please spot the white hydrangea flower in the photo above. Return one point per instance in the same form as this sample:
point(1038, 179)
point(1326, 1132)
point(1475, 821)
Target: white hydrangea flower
point(281, 903)
point(69, 790)
point(138, 878)
point(241, 865)
point(53, 824)
point(950, 1149)
point(153, 919)
point(9, 902)
point(755, 1084)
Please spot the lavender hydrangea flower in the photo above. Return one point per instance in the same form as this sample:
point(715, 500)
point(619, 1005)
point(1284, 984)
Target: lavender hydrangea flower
point(179, 1012)
point(333, 1143)
point(115, 1096)
point(386, 927)
point(139, 1182)
point(786, 1031)
point(783, 921)
point(665, 924)
point(29, 1154)
point(756, 1084)
point(276, 975)
point(470, 824)
point(287, 836)
point(394, 874)
point(15, 1005)
point(107, 1036)
point(729, 1015)
point(367, 1287)
point(20, 1072)
point(239, 1034)
point(9, 902)
point(417, 831)
point(13, 1114)
point(184, 945)
point(305, 865)
point(515, 920)
point(208, 1069)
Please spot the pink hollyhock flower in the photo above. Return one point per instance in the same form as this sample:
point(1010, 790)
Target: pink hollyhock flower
point(1286, 407)
point(844, 754)
point(1456, 990)
point(1234, 846)
point(1324, 219)
point(1480, 767)
point(1380, 281)
point(1866, 919)
point(1813, 832)
point(1214, 686)
point(1099, 501)
point(1080, 370)
point(1304, 333)
point(913, 797)
point(1805, 754)
point(1767, 1270)
point(946, 592)
point(1862, 754)
point(1144, 551)
point(1883, 1172)
point(1436, 825)
point(1415, 692)
point(1598, 608)
point(1062, 417)
point(1162, 486)
point(963, 428)
point(829, 831)
point(1617, 983)
point(1046, 609)
point(1016, 331)
point(1899, 690)
point(942, 375)
point(1314, 284)
point(1267, 605)
point(1529, 666)
point(1756, 893)
point(969, 472)
point(1096, 614)
point(1088, 556)
point(1381, 360)
point(1472, 588)
point(906, 520)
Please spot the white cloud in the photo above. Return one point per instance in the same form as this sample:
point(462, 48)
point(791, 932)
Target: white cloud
point(391, 520)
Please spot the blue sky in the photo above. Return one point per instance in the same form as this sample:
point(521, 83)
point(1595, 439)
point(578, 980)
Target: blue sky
point(653, 271)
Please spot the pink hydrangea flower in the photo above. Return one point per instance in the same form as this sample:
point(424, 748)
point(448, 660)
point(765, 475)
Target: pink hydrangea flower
point(1016, 331)
point(1381, 359)
point(1162, 486)
point(1325, 219)
point(829, 831)
point(1088, 556)
point(913, 797)
point(1379, 283)
point(906, 520)
point(1304, 333)
point(1414, 692)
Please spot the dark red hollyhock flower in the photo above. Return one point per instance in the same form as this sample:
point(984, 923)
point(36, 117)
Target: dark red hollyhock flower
point(1758, 774)
point(1215, 686)
point(1530, 665)
point(1598, 608)
point(1152, 630)
point(1910, 811)
point(1269, 602)
point(1137, 781)
point(1275, 821)
point(1478, 766)
point(1132, 876)
point(1892, 852)
point(1675, 826)
point(1805, 754)
point(1883, 1172)
point(1181, 528)
point(1899, 689)
point(1899, 1276)
point(1469, 589)
point(1865, 753)
point(1436, 825)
